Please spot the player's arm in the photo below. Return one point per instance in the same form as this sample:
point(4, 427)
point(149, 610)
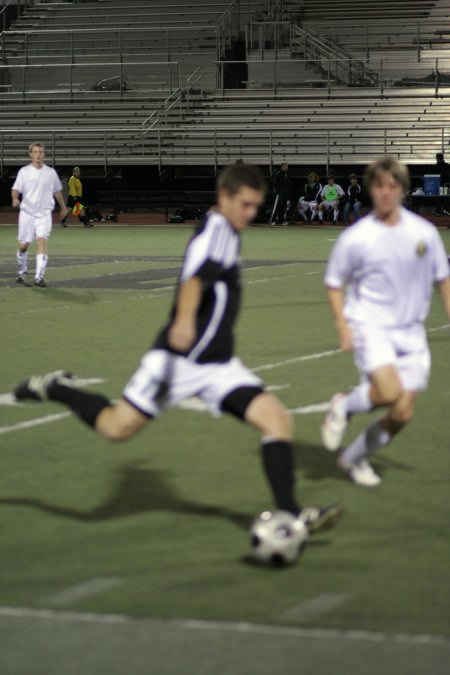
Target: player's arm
point(59, 198)
point(15, 199)
point(336, 301)
point(182, 333)
point(444, 287)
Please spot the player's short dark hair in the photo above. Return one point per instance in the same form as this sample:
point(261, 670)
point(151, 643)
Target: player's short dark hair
point(236, 176)
point(439, 156)
point(390, 165)
point(353, 176)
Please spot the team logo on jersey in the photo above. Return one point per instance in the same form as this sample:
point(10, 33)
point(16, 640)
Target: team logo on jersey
point(421, 249)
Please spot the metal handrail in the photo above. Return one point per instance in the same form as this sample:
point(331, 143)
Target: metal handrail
point(45, 31)
point(334, 51)
point(221, 26)
point(330, 65)
point(17, 4)
point(193, 78)
point(145, 124)
point(408, 141)
point(176, 95)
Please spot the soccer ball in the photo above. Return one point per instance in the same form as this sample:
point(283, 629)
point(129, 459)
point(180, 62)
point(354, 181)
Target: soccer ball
point(277, 537)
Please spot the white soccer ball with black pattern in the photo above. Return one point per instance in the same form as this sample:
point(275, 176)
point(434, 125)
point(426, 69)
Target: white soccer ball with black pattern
point(277, 537)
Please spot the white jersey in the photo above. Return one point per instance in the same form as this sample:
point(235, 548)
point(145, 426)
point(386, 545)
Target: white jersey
point(388, 271)
point(37, 187)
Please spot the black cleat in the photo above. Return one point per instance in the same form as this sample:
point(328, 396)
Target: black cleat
point(22, 278)
point(36, 387)
point(320, 517)
point(40, 283)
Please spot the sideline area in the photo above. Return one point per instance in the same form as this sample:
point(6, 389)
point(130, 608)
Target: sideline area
point(55, 643)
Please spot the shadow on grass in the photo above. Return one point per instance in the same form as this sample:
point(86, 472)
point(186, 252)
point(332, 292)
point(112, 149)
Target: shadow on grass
point(66, 296)
point(317, 463)
point(138, 490)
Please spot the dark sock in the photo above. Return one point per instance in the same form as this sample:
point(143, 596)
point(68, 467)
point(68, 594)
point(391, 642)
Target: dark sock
point(278, 464)
point(85, 405)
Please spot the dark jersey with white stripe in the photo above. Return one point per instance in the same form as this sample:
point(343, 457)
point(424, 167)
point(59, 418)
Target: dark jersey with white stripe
point(212, 255)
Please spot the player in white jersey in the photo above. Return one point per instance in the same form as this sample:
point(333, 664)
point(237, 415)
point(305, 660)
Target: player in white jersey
point(193, 354)
point(379, 281)
point(38, 185)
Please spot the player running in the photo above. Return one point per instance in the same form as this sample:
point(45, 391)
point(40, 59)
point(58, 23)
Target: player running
point(388, 263)
point(193, 354)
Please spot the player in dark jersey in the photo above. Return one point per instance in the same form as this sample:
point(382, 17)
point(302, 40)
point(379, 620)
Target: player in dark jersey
point(193, 354)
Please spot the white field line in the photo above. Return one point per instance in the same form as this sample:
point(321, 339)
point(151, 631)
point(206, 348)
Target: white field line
point(310, 409)
point(433, 330)
point(321, 604)
point(296, 359)
point(81, 591)
point(294, 632)
point(34, 423)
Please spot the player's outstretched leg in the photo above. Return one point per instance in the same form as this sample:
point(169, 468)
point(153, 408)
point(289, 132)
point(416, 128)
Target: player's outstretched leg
point(267, 414)
point(113, 421)
point(60, 386)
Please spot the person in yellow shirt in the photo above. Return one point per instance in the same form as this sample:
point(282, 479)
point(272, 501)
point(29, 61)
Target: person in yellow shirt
point(75, 192)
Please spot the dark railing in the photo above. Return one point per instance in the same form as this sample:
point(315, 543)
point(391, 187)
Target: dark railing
point(220, 146)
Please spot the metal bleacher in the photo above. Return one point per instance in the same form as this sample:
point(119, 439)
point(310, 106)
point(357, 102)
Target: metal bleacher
point(167, 84)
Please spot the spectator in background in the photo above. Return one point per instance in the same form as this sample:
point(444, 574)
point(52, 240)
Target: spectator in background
point(331, 195)
point(282, 188)
point(353, 202)
point(309, 200)
point(75, 192)
point(444, 171)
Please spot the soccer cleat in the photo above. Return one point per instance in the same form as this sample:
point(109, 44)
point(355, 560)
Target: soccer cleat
point(335, 424)
point(317, 518)
point(360, 473)
point(21, 278)
point(36, 387)
point(40, 283)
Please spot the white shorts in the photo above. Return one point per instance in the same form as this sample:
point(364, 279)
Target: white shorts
point(31, 227)
point(302, 205)
point(405, 348)
point(211, 382)
point(330, 205)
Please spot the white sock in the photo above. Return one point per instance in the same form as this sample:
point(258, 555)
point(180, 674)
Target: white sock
point(335, 215)
point(358, 400)
point(321, 217)
point(22, 259)
point(366, 443)
point(41, 264)
point(313, 214)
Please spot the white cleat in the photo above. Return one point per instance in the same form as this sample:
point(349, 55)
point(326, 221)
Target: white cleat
point(360, 473)
point(335, 424)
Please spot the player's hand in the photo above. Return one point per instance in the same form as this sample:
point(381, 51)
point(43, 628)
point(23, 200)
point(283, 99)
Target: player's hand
point(181, 336)
point(345, 337)
point(16, 203)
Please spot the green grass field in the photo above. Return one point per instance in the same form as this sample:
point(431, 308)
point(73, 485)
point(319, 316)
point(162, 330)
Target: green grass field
point(157, 527)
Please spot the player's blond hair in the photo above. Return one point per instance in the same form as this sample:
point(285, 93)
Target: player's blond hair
point(36, 144)
point(390, 165)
